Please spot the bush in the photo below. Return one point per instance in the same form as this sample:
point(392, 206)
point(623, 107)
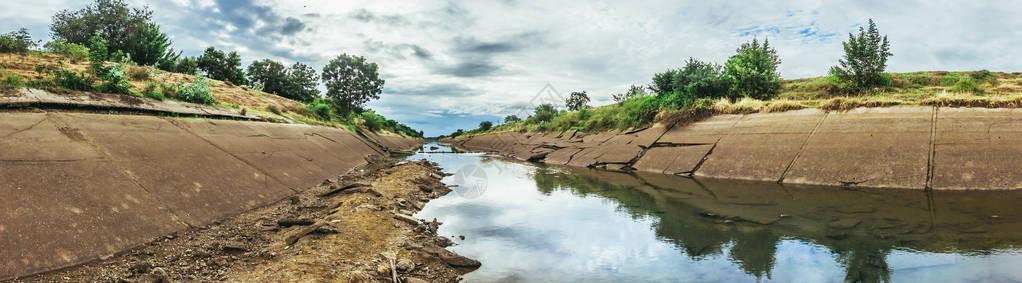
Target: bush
point(966, 85)
point(511, 119)
point(97, 55)
point(221, 66)
point(114, 81)
point(577, 100)
point(321, 109)
point(16, 42)
point(982, 75)
point(373, 122)
point(72, 80)
point(753, 71)
point(544, 113)
point(196, 91)
point(74, 52)
point(148, 46)
point(918, 79)
point(950, 79)
point(113, 18)
point(11, 81)
point(186, 65)
point(485, 126)
point(151, 91)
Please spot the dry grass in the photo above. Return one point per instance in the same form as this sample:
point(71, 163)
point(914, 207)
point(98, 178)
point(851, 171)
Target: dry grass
point(849, 103)
point(966, 100)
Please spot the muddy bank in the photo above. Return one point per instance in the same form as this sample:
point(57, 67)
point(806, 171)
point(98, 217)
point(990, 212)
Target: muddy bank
point(909, 147)
point(351, 228)
point(81, 186)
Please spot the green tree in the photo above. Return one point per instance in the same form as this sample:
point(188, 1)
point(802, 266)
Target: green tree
point(511, 119)
point(485, 126)
point(221, 66)
point(112, 19)
point(16, 41)
point(272, 74)
point(301, 82)
point(753, 71)
point(351, 81)
point(148, 46)
point(865, 59)
point(663, 83)
point(187, 65)
point(701, 79)
point(578, 100)
point(633, 91)
point(544, 113)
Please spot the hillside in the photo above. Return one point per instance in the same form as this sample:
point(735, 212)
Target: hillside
point(34, 70)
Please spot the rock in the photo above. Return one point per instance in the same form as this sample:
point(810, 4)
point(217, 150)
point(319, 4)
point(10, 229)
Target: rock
point(233, 247)
point(293, 236)
point(288, 222)
point(406, 218)
point(159, 275)
point(462, 237)
point(415, 280)
point(405, 265)
point(453, 259)
point(401, 202)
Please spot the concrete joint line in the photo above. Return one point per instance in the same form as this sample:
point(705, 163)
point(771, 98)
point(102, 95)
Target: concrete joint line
point(60, 123)
point(933, 150)
point(708, 152)
point(801, 148)
point(189, 131)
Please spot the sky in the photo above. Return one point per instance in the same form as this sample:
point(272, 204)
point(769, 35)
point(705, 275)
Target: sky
point(452, 64)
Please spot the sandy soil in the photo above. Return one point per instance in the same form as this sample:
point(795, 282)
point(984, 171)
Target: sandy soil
point(354, 228)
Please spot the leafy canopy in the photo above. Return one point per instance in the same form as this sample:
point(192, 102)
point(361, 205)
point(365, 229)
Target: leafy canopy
point(221, 66)
point(577, 100)
point(351, 81)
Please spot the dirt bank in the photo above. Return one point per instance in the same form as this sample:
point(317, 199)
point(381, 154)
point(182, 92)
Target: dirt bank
point(346, 229)
point(912, 147)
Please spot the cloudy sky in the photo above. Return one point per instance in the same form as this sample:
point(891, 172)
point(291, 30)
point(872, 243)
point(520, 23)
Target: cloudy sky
point(450, 64)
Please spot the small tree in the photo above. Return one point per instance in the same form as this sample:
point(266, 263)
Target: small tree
point(97, 55)
point(301, 82)
point(272, 74)
point(351, 81)
point(485, 125)
point(544, 113)
point(148, 45)
point(112, 19)
point(865, 59)
point(511, 119)
point(753, 71)
point(577, 100)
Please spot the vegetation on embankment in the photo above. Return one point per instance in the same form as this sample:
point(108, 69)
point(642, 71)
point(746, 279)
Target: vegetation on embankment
point(749, 83)
point(110, 47)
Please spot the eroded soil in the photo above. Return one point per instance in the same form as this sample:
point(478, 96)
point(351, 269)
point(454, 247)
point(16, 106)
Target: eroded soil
point(355, 228)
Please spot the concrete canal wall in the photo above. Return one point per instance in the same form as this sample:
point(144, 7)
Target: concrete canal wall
point(910, 147)
point(75, 187)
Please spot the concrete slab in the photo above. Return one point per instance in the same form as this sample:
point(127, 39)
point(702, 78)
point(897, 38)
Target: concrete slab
point(874, 147)
point(760, 146)
point(978, 149)
point(561, 156)
point(672, 160)
point(174, 166)
point(703, 132)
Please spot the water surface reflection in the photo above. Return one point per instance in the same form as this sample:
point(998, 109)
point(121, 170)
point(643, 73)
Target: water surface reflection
point(538, 223)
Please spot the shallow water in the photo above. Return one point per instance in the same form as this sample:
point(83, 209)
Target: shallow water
point(530, 222)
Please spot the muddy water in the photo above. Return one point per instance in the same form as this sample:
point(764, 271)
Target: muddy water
point(529, 222)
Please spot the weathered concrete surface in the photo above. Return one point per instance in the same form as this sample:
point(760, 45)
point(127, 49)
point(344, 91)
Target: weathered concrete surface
point(912, 147)
point(978, 149)
point(760, 146)
point(879, 147)
point(76, 187)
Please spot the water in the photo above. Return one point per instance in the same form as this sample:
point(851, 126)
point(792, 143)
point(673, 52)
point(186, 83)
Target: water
point(529, 222)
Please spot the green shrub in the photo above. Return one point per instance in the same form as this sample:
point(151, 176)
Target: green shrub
point(321, 109)
point(753, 71)
point(544, 113)
point(918, 79)
point(97, 55)
point(114, 81)
point(485, 126)
point(966, 85)
point(74, 52)
point(151, 91)
point(373, 122)
point(72, 80)
point(16, 42)
point(864, 61)
point(982, 75)
point(11, 81)
point(196, 92)
point(950, 79)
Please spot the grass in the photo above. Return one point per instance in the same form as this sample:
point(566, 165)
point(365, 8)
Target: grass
point(934, 88)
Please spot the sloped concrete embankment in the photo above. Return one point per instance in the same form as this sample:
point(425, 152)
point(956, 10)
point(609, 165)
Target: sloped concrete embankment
point(907, 147)
point(77, 187)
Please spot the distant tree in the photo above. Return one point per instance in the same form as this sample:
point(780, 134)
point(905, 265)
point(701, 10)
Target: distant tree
point(865, 59)
point(187, 65)
point(485, 125)
point(633, 91)
point(458, 133)
point(112, 19)
point(701, 80)
point(577, 100)
point(272, 74)
point(351, 81)
point(663, 83)
point(16, 41)
point(511, 119)
point(302, 81)
point(544, 113)
point(753, 71)
point(220, 66)
point(147, 45)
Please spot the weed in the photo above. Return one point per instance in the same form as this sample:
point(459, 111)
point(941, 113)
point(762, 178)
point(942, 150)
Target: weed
point(966, 85)
point(196, 92)
point(11, 81)
point(151, 91)
point(72, 80)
